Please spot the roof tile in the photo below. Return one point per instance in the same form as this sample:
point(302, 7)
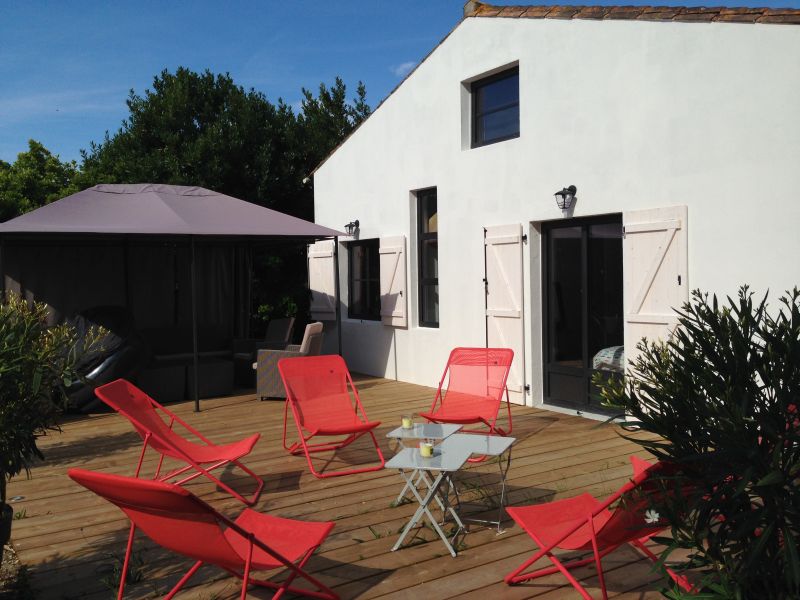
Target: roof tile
point(591, 12)
point(563, 12)
point(475, 8)
point(512, 11)
point(790, 19)
point(537, 12)
point(624, 12)
point(659, 13)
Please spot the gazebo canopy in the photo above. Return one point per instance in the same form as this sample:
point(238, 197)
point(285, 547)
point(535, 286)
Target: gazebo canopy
point(156, 209)
point(148, 234)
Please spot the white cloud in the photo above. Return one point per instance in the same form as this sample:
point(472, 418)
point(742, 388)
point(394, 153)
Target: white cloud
point(403, 69)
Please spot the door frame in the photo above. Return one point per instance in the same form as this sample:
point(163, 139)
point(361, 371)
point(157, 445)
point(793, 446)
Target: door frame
point(545, 228)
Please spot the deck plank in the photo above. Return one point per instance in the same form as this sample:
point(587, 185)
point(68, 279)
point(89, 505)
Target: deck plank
point(70, 537)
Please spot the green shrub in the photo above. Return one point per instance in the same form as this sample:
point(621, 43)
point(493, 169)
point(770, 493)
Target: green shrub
point(722, 395)
point(36, 364)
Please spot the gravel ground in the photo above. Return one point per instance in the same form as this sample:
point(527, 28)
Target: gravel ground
point(13, 578)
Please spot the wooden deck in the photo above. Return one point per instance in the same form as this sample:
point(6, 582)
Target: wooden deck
point(72, 541)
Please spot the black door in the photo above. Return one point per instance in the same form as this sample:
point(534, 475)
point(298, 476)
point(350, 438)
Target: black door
point(583, 318)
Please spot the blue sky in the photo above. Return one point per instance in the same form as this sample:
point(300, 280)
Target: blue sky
point(66, 68)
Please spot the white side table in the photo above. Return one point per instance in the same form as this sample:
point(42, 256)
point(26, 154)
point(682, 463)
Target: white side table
point(443, 463)
point(486, 445)
point(420, 431)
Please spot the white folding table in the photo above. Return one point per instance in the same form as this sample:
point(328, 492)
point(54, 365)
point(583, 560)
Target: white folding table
point(485, 445)
point(421, 431)
point(443, 463)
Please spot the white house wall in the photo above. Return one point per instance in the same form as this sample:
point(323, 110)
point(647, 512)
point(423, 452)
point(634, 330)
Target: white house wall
point(635, 114)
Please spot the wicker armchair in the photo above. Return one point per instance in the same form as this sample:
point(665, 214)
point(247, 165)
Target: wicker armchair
point(279, 333)
point(268, 380)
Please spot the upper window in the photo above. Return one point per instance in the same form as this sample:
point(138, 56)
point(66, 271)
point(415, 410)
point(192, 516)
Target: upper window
point(495, 108)
point(428, 251)
point(364, 280)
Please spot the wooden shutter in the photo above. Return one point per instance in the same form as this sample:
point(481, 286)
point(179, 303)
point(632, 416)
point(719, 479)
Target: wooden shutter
point(321, 281)
point(394, 307)
point(655, 267)
point(504, 300)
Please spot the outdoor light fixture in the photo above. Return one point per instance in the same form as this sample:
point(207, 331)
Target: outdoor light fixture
point(565, 198)
point(351, 227)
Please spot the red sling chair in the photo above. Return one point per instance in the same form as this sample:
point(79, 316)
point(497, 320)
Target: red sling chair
point(476, 380)
point(143, 413)
point(179, 521)
point(584, 523)
point(318, 392)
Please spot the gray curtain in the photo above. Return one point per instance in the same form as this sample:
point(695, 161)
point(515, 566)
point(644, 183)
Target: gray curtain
point(152, 279)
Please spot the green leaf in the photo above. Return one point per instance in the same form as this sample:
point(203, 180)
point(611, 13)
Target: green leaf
point(773, 478)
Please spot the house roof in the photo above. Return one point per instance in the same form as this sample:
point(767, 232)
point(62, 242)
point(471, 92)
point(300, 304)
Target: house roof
point(156, 209)
point(701, 14)
point(685, 14)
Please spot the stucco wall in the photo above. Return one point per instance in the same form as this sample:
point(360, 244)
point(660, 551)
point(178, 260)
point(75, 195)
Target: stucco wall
point(635, 114)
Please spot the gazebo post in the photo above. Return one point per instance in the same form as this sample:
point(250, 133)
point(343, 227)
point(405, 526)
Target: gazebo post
point(194, 330)
point(336, 291)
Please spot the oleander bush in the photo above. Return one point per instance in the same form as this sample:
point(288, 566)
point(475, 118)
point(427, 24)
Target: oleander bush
point(37, 363)
point(722, 396)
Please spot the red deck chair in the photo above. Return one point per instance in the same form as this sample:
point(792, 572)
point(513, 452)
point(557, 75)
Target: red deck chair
point(179, 521)
point(584, 523)
point(143, 413)
point(318, 391)
point(476, 380)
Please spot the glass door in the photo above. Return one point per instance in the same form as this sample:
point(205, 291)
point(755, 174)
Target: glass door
point(583, 318)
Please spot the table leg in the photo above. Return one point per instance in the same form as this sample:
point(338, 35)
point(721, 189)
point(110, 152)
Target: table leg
point(420, 476)
point(503, 474)
point(423, 510)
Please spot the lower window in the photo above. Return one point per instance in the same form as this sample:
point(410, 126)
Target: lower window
point(363, 280)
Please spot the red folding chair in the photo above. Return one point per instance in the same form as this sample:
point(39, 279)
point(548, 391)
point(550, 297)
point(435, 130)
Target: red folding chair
point(584, 523)
point(143, 413)
point(475, 382)
point(324, 403)
point(177, 520)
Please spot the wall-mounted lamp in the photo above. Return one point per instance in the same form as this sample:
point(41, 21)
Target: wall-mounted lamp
point(565, 198)
point(351, 227)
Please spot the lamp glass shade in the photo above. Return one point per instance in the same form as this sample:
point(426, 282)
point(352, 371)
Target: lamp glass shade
point(565, 197)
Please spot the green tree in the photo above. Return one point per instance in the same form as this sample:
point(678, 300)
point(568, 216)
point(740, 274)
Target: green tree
point(36, 178)
point(203, 129)
point(191, 129)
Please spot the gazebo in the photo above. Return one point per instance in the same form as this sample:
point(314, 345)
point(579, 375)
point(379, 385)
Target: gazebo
point(173, 255)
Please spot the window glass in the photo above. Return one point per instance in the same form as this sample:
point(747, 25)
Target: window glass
point(495, 108)
point(364, 280)
point(499, 125)
point(498, 94)
point(428, 215)
point(430, 303)
point(428, 258)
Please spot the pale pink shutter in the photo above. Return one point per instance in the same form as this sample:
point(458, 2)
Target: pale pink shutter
point(655, 268)
point(505, 324)
point(321, 281)
point(394, 305)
